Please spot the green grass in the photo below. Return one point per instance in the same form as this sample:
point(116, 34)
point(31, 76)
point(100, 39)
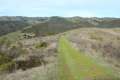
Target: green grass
point(75, 65)
point(14, 36)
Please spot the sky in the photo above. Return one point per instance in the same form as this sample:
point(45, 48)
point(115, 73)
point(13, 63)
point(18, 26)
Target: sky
point(65, 8)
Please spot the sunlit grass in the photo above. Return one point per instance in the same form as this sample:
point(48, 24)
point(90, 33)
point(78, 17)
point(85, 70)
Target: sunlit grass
point(75, 65)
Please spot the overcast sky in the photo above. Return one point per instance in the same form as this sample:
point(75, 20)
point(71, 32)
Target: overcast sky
point(84, 8)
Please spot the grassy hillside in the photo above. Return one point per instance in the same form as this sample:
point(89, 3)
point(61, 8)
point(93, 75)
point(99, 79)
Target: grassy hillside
point(45, 25)
point(32, 43)
point(75, 65)
point(53, 26)
point(15, 23)
point(7, 27)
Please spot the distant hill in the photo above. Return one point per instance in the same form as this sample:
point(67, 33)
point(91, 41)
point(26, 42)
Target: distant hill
point(12, 24)
point(52, 25)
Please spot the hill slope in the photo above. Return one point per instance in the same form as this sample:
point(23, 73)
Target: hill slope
point(76, 65)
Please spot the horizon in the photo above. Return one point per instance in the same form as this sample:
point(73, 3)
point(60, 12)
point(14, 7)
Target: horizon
point(63, 8)
point(59, 16)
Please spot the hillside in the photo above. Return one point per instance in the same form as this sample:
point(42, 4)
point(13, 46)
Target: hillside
point(12, 24)
point(45, 25)
point(29, 47)
point(76, 65)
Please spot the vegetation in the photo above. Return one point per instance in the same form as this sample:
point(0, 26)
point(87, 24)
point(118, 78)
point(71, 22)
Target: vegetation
point(95, 36)
point(5, 63)
point(41, 45)
point(75, 65)
point(28, 48)
point(4, 59)
point(7, 67)
point(11, 26)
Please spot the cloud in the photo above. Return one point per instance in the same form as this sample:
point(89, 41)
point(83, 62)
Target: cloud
point(60, 7)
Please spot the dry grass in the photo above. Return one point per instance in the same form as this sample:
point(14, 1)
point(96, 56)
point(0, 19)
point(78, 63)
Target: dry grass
point(39, 73)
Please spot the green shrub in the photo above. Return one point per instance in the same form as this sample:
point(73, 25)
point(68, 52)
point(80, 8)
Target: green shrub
point(96, 37)
point(118, 38)
point(51, 33)
point(4, 59)
point(5, 40)
point(7, 67)
point(42, 45)
point(5, 63)
point(16, 50)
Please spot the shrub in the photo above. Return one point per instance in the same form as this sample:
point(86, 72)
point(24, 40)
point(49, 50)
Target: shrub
point(17, 49)
point(51, 33)
point(7, 67)
point(5, 41)
point(5, 63)
point(96, 37)
point(4, 59)
point(42, 45)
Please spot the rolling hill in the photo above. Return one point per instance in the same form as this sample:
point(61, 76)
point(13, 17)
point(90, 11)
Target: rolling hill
point(30, 48)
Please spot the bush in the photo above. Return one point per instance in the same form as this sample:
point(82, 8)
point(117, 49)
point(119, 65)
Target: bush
point(17, 49)
point(51, 33)
point(5, 41)
point(4, 59)
point(42, 45)
point(5, 63)
point(96, 37)
point(7, 67)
